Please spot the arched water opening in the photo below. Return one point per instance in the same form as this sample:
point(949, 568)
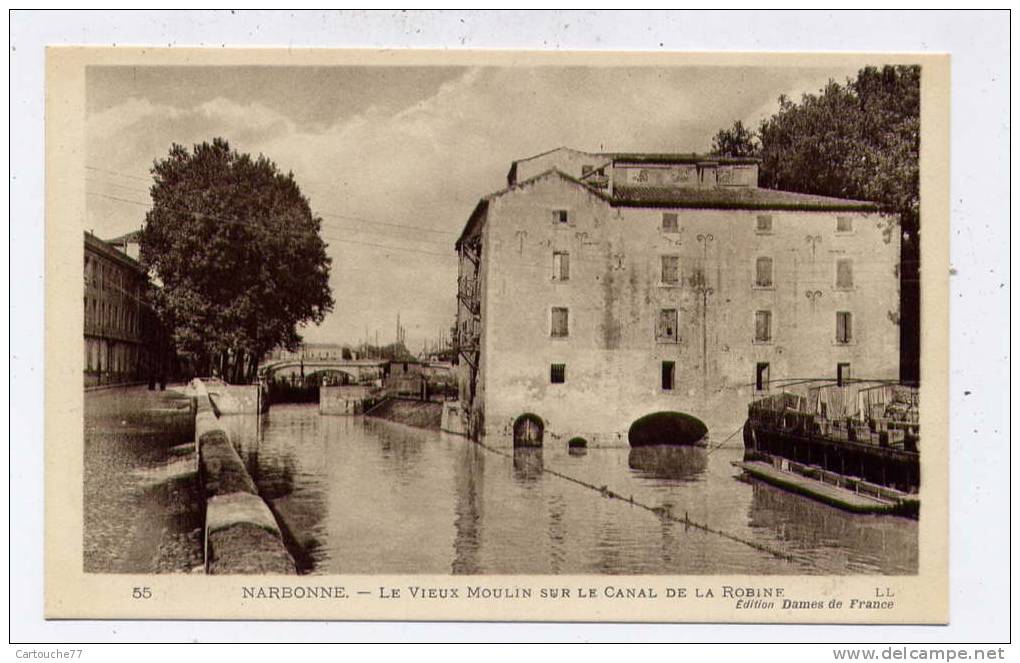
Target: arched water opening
point(528, 430)
point(667, 428)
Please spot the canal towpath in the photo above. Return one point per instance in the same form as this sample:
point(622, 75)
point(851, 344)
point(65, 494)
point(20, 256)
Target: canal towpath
point(142, 511)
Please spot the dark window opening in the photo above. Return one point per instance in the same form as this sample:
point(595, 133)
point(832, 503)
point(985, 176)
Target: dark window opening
point(764, 223)
point(560, 216)
point(668, 375)
point(761, 376)
point(558, 373)
point(842, 373)
point(670, 222)
point(844, 224)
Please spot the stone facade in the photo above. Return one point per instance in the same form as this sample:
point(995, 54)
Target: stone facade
point(119, 325)
point(591, 305)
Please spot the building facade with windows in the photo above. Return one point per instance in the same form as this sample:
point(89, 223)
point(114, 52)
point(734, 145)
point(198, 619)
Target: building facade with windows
point(597, 288)
point(120, 329)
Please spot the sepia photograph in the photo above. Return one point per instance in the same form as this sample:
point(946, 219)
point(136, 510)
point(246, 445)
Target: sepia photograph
point(640, 320)
point(452, 332)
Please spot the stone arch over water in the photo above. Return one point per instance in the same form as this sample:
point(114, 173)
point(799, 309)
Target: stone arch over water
point(667, 428)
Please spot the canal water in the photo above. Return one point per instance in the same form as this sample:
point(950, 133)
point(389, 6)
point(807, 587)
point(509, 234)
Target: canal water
point(363, 495)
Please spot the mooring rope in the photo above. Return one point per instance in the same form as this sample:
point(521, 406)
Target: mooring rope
point(663, 512)
point(711, 449)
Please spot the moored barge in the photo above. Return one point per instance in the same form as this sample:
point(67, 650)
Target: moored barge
point(854, 446)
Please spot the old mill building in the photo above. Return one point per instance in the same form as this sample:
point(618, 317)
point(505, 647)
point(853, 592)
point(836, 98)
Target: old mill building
point(597, 288)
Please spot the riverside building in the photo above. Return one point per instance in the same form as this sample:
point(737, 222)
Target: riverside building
point(597, 288)
point(120, 330)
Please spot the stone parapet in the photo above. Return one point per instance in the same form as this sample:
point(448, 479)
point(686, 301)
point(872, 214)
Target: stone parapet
point(241, 533)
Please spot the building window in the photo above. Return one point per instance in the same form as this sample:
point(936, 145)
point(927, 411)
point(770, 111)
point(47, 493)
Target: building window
point(666, 327)
point(560, 326)
point(844, 274)
point(560, 216)
point(764, 224)
point(561, 266)
point(670, 222)
point(763, 326)
point(842, 373)
point(671, 270)
point(668, 375)
point(763, 272)
point(761, 376)
point(844, 327)
point(558, 373)
point(844, 224)
point(586, 170)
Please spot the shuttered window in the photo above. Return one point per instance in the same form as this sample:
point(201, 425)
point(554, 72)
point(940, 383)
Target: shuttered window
point(763, 326)
point(844, 273)
point(561, 266)
point(844, 327)
point(764, 223)
point(558, 373)
point(559, 322)
point(844, 224)
point(670, 222)
point(763, 272)
point(666, 327)
point(560, 216)
point(671, 270)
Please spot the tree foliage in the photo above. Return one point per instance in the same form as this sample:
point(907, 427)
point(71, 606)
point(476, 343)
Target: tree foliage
point(737, 141)
point(238, 253)
point(859, 140)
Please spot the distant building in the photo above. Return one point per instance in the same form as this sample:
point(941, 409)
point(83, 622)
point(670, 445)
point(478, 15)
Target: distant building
point(312, 351)
point(122, 338)
point(597, 288)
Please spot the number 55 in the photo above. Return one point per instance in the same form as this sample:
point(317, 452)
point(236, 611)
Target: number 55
point(141, 593)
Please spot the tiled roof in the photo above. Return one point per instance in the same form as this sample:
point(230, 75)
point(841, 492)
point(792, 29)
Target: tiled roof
point(99, 246)
point(676, 158)
point(732, 198)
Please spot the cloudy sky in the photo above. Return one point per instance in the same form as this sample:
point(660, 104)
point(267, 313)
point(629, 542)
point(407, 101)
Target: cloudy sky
point(394, 158)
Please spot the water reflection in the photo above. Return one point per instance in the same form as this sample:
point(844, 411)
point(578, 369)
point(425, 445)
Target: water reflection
point(527, 464)
point(369, 496)
point(676, 463)
point(851, 539)
point(468, 479)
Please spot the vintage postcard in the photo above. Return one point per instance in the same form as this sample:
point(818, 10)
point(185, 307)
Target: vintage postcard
point(469, 335)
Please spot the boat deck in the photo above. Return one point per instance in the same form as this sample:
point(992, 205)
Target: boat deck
point(824, 492)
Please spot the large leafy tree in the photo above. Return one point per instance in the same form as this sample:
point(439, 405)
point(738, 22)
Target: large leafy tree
point(238, 253)
point(856, 140)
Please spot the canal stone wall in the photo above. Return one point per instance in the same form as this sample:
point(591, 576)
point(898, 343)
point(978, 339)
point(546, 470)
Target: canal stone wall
point(345, 399)
point(234, 398)
point(241, 532)
point(420, 414)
